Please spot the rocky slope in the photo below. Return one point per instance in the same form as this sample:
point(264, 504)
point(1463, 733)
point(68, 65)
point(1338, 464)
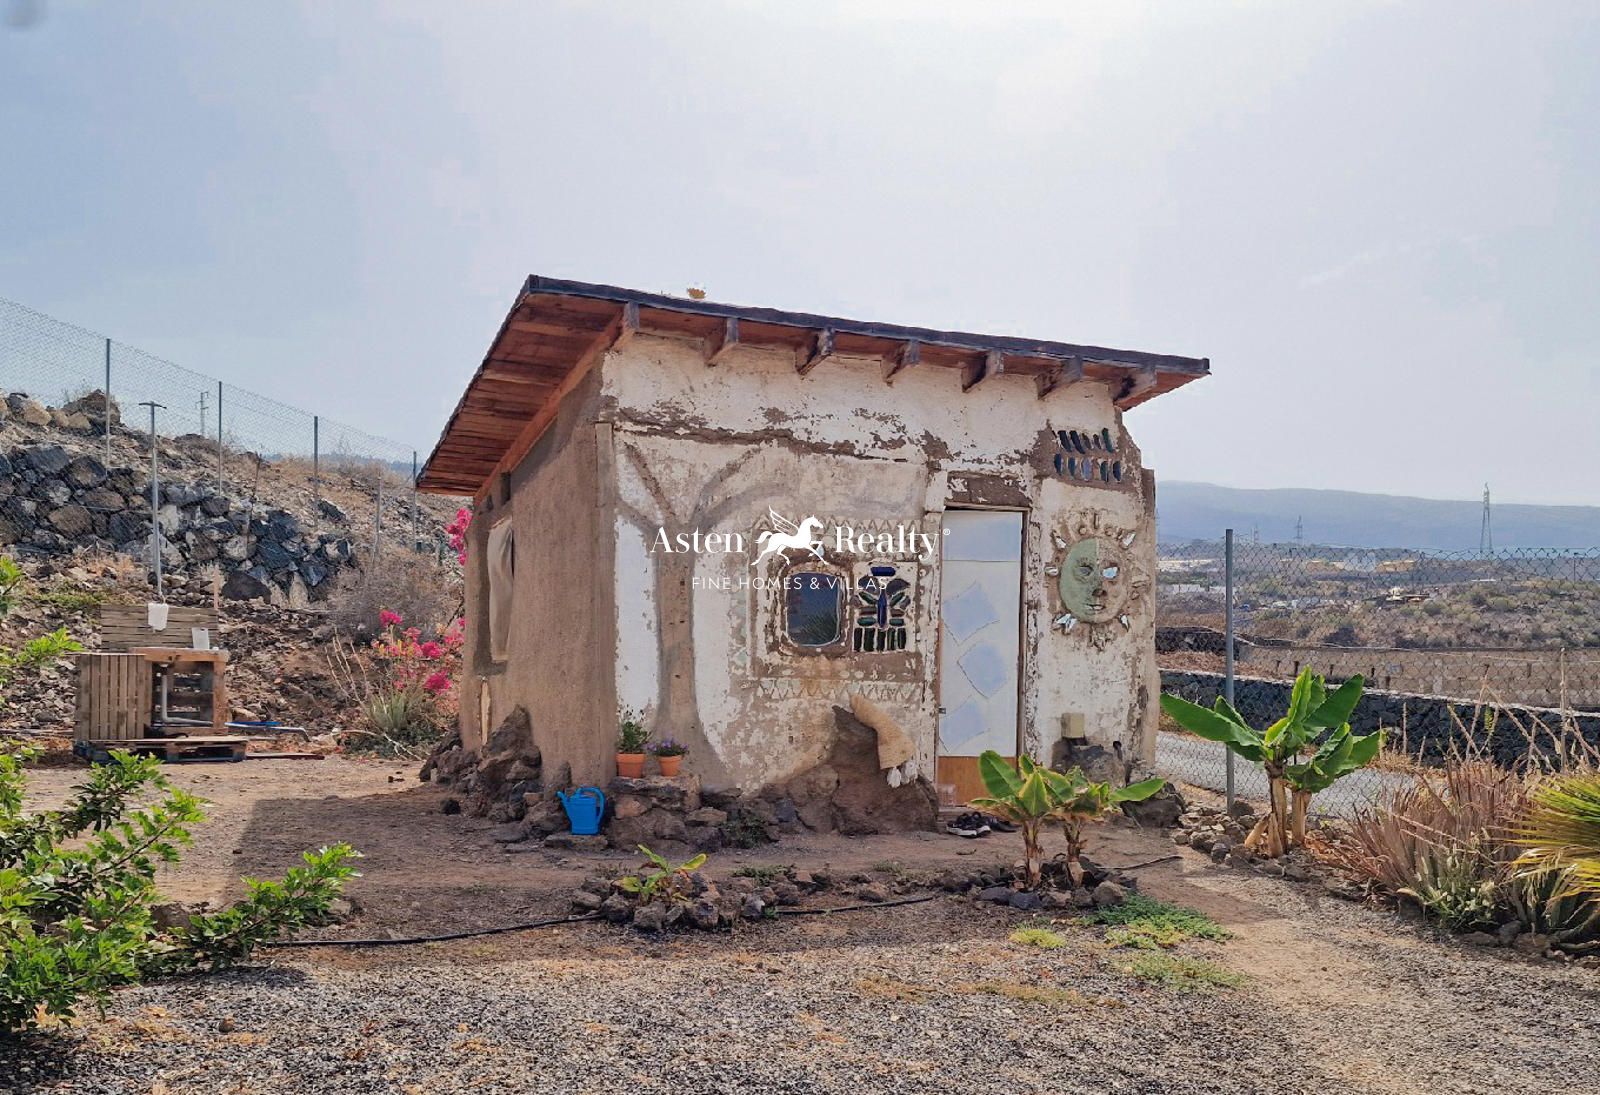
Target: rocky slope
point(267, 545)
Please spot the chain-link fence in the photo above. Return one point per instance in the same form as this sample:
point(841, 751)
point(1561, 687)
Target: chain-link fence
point(219, 432)
point(1491, 654)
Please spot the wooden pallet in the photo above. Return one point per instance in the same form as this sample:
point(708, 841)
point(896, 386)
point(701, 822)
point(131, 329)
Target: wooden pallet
point(113, 697)
point(171, 750)
point(123, 627)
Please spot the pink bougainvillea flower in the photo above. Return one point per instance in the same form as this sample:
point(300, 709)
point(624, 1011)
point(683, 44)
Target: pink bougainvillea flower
point(390, 619)
point(431, 650)
point(437, 682)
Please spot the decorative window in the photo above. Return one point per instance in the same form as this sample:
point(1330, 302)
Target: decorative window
point(1085, 456)
point(813, 608)
point(882, 606)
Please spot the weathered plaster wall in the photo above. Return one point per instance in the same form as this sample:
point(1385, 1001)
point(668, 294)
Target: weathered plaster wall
point(712, 448)
point(561, 657)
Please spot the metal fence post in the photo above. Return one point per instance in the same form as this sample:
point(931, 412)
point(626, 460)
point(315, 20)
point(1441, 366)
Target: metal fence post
point(220, 487)
point(377, 518)
point(155, 496)
point(316, 457)
point(414, 542)
point(108, 403)
point(1227, 639)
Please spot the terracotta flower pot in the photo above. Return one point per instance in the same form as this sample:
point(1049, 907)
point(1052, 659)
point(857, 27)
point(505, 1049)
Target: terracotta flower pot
point(630, 765)
point(670, 765)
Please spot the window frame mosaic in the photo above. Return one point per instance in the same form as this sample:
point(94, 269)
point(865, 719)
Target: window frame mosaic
point(882, 607)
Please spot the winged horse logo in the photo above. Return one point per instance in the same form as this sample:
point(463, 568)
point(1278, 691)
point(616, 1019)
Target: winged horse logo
point(788, 535)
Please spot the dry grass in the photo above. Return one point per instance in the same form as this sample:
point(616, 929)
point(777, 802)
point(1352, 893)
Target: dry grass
point(400, 581)
point(1458, 814)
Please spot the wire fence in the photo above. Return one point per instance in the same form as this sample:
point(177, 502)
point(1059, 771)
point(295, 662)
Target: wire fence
point(1493, 654)
point(224, 434)
point(58, 363)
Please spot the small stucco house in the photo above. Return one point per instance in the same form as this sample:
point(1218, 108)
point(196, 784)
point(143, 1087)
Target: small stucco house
point(741, 521)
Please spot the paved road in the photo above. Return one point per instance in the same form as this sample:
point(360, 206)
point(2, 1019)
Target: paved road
point(1204, 764)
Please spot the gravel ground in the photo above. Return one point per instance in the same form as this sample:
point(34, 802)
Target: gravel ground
point(919, 999)
point(924, 998)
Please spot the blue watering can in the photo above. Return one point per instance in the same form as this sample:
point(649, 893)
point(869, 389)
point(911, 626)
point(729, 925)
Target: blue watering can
point(585, 807)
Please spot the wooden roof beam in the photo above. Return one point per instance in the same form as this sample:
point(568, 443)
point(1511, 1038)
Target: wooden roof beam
point(1137, 384)
point(629, 325)
point(817, 349)
point(903, 357)
point(991, 364)
point(1061, 374)
point(540, 422)
point(722, 341)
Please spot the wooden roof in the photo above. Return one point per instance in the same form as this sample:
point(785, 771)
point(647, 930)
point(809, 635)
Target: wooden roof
point(557, 330)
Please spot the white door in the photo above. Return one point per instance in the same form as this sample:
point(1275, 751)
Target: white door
point(980, 643)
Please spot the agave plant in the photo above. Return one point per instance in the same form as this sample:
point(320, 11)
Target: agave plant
point(1031, 795)
point(1547, 902)
point(1279, 750)
point(1561, 830)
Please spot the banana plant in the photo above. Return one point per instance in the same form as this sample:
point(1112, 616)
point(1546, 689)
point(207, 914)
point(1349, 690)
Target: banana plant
point(1340, 753)
point(670, 882)
point(1031, 795)
point(1080, 799)
point(1279, 748)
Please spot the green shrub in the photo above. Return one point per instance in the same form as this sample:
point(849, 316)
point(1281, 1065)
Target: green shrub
point(11, 577)
point(77, 885)
point(69, 600)
point(1043, 938)
point(33, 654)
point(1147, 924)
point(1177, 972)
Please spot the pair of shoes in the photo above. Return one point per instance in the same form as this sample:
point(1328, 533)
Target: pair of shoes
point(999, 824)
point(969, 825)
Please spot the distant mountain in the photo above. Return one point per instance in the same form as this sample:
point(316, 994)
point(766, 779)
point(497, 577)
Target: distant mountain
point(1351, 519)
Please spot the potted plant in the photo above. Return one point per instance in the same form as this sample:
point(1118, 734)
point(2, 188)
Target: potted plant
point(669, 754)
point(631, 739)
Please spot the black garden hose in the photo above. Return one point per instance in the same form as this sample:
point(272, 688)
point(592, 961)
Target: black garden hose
point(447, 937)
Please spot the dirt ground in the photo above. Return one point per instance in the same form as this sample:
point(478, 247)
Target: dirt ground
point(927, 997)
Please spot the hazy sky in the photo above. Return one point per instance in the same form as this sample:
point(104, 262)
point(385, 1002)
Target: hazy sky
point(1380, 221)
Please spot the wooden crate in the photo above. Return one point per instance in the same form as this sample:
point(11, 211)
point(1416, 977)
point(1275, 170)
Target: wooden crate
point(123, 627)
point(115, 696)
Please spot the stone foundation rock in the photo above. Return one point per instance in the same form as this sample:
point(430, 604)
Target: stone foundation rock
point(499, 781)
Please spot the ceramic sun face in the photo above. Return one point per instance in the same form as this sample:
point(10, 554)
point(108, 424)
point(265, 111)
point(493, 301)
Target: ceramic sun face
point(1092, 583)
point(1098, 578)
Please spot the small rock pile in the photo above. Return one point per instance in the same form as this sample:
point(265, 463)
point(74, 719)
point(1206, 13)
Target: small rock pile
point(700, 903)
point(501, 781)
point(1095, 887)
point(1220, 834)
point(669, 811)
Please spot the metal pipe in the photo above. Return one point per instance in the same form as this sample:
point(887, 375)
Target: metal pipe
point(155, 496)
point(414, 541)
point(1227, 639)
point(377, 518)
